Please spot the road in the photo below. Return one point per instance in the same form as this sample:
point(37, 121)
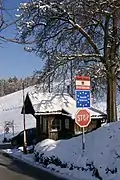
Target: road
point(11, 169)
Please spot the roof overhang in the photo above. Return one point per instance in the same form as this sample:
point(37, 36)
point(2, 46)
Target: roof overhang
point(68, 115)
point(51, 113)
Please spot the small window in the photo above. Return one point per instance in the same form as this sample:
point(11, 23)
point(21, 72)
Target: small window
point(56, 124)
point(67, 124)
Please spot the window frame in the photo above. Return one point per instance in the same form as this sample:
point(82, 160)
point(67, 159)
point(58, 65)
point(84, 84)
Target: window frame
point(67, 122)
point(56, 129)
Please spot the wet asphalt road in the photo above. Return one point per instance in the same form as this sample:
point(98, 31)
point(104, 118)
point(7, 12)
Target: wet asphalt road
point(12, 169)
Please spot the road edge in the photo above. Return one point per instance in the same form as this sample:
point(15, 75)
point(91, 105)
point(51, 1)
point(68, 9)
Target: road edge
point(54, 174)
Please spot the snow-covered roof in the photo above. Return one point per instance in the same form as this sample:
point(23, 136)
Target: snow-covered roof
point(49, 103)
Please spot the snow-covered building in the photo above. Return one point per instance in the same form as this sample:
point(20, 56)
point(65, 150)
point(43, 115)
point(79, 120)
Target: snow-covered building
point(55, 115)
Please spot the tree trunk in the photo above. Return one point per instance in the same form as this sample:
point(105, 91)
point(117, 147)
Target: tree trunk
point(111, 98)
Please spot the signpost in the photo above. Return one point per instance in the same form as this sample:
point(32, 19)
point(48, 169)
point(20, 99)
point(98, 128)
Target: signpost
point(82, 92)
point(83, 119)
point(8, 127)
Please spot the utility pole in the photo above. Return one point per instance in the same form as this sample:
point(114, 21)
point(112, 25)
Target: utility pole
point(25, 140)
point(71, 78)
point(49, 83)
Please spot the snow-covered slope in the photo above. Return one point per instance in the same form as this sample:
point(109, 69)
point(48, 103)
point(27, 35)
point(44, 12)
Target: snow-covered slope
point(14, 100)
point(10, 110)
point(101, 154)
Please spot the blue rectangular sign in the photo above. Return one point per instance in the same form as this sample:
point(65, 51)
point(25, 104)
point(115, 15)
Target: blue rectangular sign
point(82, 98)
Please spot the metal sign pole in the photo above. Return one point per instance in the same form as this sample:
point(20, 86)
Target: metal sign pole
point(13, 127)
point(83, 139)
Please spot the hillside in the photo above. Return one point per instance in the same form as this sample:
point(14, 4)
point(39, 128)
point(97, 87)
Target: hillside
point(13, 84)
point(10, 110)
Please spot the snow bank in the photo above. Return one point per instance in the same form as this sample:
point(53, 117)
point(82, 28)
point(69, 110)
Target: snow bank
point(102, 150)
point(44, 145)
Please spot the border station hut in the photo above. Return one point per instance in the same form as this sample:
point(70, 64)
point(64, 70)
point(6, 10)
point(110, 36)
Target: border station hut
point(55, 115)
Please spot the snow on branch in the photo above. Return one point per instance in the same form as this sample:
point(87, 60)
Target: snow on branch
point(86, 35)
point(71, 57)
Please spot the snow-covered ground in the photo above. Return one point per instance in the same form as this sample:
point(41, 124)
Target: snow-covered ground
point(100, 158)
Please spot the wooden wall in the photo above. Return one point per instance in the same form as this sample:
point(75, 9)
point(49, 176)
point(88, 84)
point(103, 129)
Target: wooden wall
point(42, 121)
point(44, 127)
point(94, 124)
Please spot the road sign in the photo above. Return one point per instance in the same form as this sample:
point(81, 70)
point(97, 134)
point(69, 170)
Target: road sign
point(82, 99)
point(83, 118)
point(82, 82)
point(7, 129)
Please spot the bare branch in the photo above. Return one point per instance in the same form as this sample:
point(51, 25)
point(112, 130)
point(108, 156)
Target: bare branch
point(17, 41)
point(85, 34)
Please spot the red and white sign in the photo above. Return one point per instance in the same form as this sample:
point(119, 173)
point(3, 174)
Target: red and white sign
point(82, 82)
point(83, 118)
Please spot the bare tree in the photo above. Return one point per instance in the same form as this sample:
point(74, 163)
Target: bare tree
point(79, 30)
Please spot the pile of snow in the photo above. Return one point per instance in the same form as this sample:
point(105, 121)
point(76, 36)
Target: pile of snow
point(102, 150)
